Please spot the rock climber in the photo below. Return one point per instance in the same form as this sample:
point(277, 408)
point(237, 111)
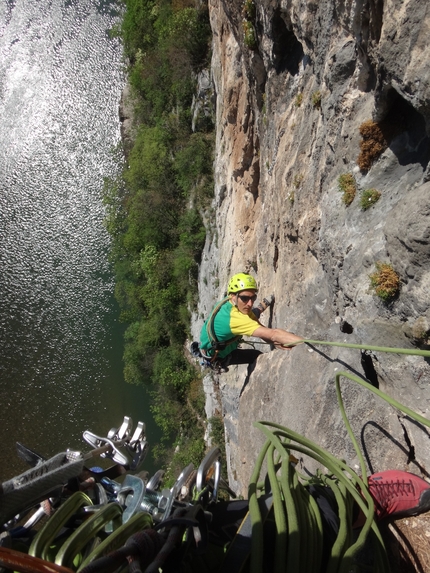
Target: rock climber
point(233, 318)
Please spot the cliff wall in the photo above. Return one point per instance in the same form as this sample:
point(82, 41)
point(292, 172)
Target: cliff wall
point(289, 107)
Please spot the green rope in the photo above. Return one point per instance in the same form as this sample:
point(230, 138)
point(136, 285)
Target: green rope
point(388, 399)
point(302, 519)
point(255, 513)
point(342, 539)
point(409, 351)
point(316, 530)
point(292, 517)
point(297, 517)
point(280, 516)
point(337, 468)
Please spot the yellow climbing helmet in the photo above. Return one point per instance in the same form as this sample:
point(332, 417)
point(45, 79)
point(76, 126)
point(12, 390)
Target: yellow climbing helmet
point(241, 281)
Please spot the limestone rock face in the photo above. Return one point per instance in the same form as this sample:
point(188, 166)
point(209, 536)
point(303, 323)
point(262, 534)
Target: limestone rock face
point(288, 114)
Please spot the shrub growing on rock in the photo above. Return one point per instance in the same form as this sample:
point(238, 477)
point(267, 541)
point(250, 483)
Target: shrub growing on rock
point(298, 180)
point(385, 281)
point(249, 35)
point(348, 187)
point(369, 198)
point(248, 10)
point(372, 145)
point(316, 99)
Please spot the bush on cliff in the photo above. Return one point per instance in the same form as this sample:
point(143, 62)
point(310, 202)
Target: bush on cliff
point(153, 210)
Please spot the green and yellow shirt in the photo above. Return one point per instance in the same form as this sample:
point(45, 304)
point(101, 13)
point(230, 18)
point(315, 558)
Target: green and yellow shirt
point(228, 323)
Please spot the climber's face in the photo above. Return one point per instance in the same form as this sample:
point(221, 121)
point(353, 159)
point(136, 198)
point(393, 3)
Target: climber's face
point(244, 300)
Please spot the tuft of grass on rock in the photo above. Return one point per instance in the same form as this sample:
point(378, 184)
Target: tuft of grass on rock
point(348, 187)
point(249, 34)
point(250, 38)
point(298, 180)
point(368, 198)
point(385, 281)
point(249, 10)
point(316, 99)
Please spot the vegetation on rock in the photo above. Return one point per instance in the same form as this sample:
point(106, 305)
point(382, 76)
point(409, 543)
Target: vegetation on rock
point(249, 10)
point(348, 187)
point(298, 180)
point(249, 35)
point(385, 281)
point(299, 99)
point(368, 198)
point(316, 99)
point(372, 145)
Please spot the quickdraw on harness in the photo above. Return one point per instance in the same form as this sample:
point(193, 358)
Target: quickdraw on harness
point(216, 346)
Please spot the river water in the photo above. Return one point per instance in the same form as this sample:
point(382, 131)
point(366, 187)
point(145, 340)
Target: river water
point(61, 77)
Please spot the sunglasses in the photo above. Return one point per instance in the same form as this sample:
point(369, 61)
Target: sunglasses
point(246, 299)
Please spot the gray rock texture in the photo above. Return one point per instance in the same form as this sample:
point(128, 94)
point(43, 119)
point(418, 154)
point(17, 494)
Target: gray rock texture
point(288, 115)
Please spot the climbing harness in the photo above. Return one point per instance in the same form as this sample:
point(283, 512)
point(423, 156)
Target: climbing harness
point(212, 360)
point(217, 346)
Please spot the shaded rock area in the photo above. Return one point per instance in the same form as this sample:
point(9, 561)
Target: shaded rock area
point(288, 113)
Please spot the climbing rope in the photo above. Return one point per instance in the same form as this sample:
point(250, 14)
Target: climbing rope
point(298, 521)
point(410, 351)
point(292, 502)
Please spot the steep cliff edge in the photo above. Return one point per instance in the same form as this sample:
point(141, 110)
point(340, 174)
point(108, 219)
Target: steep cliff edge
point(289, 107)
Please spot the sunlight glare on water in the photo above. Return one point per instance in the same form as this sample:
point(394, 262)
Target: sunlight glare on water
point(61, 77)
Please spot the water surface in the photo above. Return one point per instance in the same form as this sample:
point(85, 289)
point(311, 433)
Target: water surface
point(61, 77)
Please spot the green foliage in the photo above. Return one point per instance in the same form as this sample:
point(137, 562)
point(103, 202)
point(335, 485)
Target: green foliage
point(385, 281)
point(197, 397)
point(368, 198)
point(316, 99)
point(348, 187)
point(137, 30)
point(217, 432)
point(177, 406)
point(298, 180)
point(187, 254)
point(193, 165)
point(249, 10)
point(153, 211)
point(190, 29)
point(188, 449)
point(114, 215)
point(299, 100)
point(172, 371)
point(249, 35)
point(163, 67)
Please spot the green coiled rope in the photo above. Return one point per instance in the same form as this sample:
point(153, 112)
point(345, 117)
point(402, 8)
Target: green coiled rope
point(299, 544)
